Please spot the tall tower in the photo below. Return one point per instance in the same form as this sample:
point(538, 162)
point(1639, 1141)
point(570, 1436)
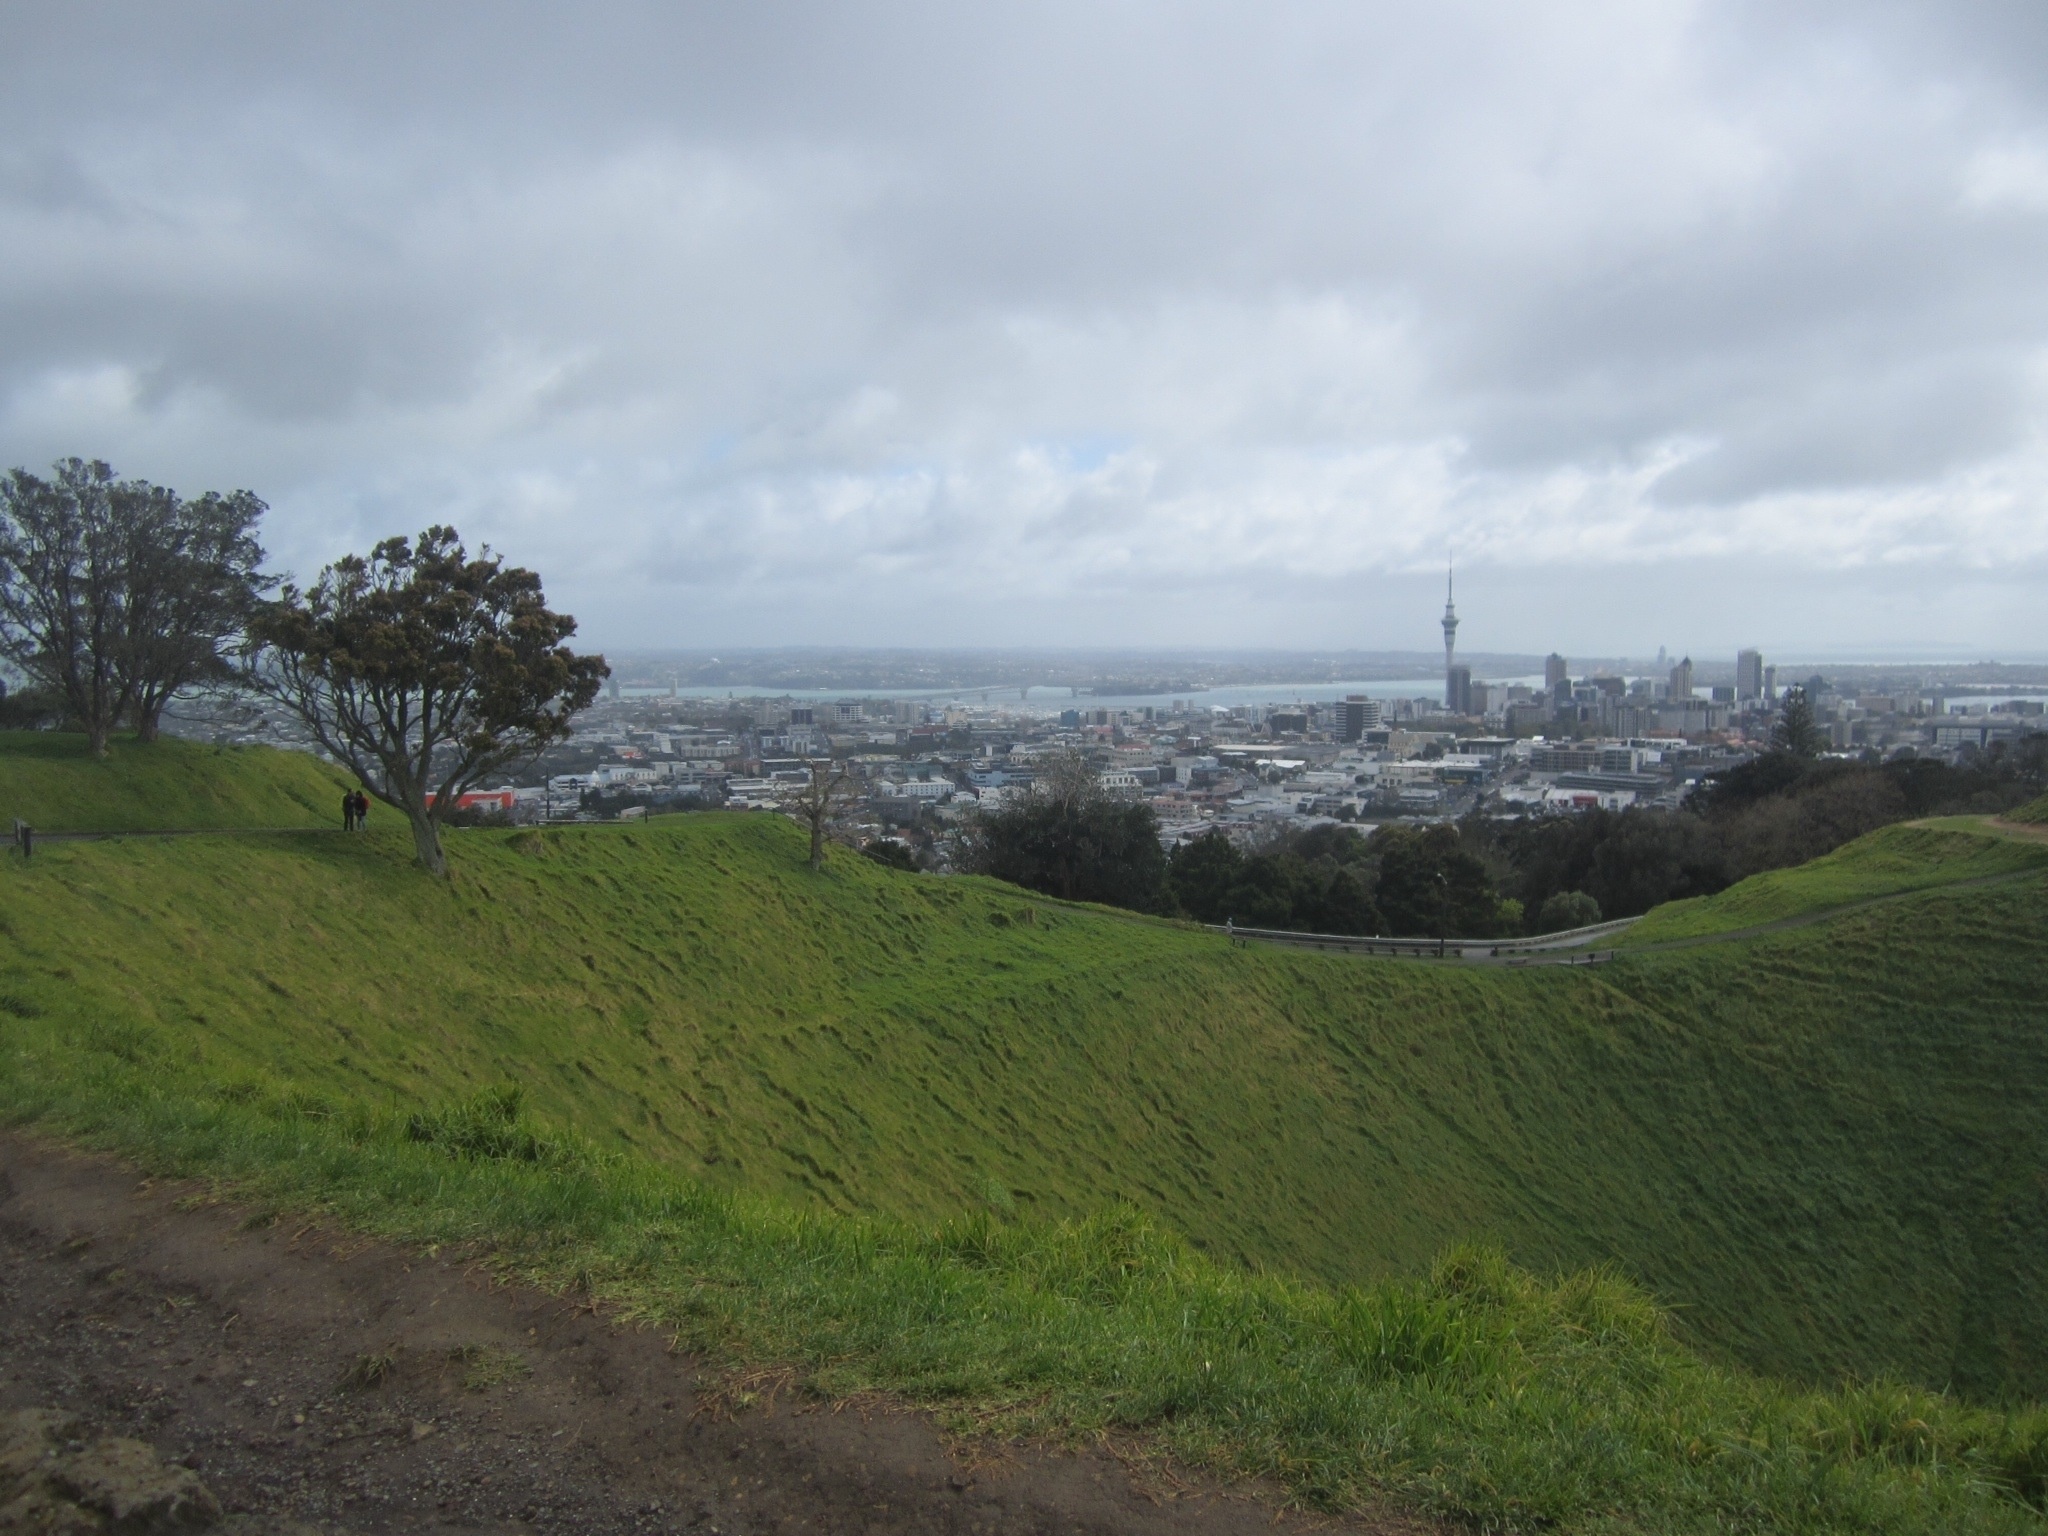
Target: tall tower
point(1457, 680)
point(1450, 621)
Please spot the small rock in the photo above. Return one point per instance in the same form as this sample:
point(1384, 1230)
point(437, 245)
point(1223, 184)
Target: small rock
point(420, 1429)
point(27, 1435)
point(52, 1486)
point(124, 1481)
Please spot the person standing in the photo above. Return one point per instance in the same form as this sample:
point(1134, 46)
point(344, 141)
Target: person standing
point(348, 810)
point(362, 811)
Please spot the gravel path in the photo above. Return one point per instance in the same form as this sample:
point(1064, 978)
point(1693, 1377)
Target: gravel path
point(308, 1376)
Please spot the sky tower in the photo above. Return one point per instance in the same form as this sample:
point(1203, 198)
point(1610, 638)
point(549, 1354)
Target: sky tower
point(1457, 679)
point(1450, 621)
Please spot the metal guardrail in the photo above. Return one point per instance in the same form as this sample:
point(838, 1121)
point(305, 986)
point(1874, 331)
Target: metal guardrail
point(1498, 951)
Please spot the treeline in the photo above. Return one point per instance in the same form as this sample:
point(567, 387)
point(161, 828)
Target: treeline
point(1489, 877)
point(115, 595)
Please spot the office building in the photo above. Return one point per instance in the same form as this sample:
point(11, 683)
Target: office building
point(1749, 674)
point(1554, 672)
point(1458, 691)
point(1681, 680)
point(1355, 716)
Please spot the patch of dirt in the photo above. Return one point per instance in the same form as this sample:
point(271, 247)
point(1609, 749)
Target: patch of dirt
point(304, 1375)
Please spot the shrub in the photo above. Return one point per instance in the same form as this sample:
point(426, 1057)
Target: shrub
point(1567, 909)
point(487, 1124)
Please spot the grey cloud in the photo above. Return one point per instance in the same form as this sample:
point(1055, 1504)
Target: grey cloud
point(721, 312)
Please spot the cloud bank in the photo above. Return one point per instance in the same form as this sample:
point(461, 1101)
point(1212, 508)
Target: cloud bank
point(1127, 323)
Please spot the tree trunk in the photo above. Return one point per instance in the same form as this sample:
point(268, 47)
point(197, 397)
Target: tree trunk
point(426, 841)
point(146, 725)
point(96, 737)
point(817, 842)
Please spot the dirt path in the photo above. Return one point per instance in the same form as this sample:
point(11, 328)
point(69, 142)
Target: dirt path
point(308, 1376)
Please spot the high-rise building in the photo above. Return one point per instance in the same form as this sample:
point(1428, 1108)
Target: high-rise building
point(1355, 716)
point(1770, 683)
point(1458, 691)
point(1749, 674)
point(1681, 679)
point(1555, 671)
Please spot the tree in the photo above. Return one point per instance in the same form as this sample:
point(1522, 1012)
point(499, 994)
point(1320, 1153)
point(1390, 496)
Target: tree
point(1070, 839)
point(423, 670)
point(1567, 909)
point(62, 590)
point(193, 579)
point(1795, 731)
point(1202, 872)
point(1430, 887)
point(1312, 882)
point(890, 854)
point(815, 804)
point(116, 595)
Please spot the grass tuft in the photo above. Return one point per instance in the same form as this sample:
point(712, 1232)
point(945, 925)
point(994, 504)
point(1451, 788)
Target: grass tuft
point(369, 1371)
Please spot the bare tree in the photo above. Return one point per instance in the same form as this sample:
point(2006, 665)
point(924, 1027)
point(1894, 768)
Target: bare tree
point(424, 670)
point(1066, 781)
point(817, 802)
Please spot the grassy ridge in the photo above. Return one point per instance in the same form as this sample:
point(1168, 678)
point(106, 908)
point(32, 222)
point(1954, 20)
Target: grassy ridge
point(47, 780)
point(1907, 857)
point(1816, 1147)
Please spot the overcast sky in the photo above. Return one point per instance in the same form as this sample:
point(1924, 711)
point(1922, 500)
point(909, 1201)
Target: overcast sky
point(1073, 323)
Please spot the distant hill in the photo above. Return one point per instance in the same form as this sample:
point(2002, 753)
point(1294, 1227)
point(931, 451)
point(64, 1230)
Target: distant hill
point(1827, 1148)
point(48, 780)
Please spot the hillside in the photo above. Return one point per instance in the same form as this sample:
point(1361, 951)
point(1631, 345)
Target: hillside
point(47, 780)
point(1911, 856)
point(1819, 1147)
point(2033, 813)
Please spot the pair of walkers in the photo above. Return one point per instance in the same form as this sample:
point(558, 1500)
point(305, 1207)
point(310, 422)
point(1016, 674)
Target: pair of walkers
point(355, 811)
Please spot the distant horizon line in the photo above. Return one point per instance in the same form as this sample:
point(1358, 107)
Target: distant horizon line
point(1959, 656)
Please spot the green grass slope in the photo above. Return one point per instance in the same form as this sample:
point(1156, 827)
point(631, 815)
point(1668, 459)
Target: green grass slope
point(1891, 860)
point(1827, 1149)
point(47, 780)
point(2034, 812)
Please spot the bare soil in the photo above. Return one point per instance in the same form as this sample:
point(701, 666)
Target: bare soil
point(309, 1376)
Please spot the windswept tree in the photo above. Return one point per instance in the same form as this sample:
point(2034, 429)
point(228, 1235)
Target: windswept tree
point(116, 595)
point(423, 670)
